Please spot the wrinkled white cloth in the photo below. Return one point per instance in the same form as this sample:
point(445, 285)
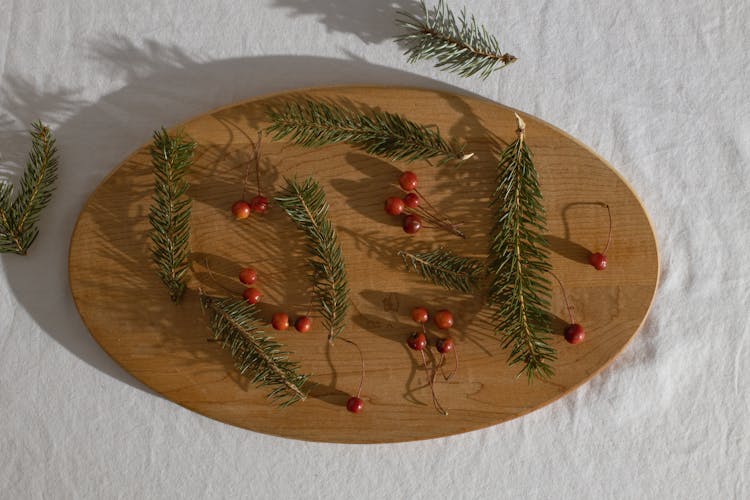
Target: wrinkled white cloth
point(659, 89)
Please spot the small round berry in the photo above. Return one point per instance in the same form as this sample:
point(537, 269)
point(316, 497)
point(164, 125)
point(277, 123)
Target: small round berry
point(445, 345)
point(412, 224)
point(259, 204)
point(598, 260)
point(303, 324)
point(408, 181)
point(248, 276)
point(444, 319)
point(355, 404)
point(575, 333)
point(241, 209)
point(252, 295)
point(417, 341)
point(280, 321)
point(411, 200)
point(394, 205)
point(420, 315)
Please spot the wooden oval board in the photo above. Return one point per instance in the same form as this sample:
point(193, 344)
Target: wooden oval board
point(165, 346)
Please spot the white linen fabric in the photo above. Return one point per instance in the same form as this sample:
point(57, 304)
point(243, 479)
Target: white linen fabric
point(659, 89)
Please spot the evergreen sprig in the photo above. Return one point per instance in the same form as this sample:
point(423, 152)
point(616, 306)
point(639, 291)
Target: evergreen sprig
point(519, 253)
point(313, 123)
point(258, 356)
point(19, 217)
point(306, 205)
point(458, 43)
point(171, 158)
point(445, 268)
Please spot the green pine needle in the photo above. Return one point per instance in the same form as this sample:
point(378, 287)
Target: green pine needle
point(519, 253)
point(443, 267)
point(306, 205)
point(258, 356)
point(457, 43)
point(170, 210)
point(313, 123)
point(19, 217)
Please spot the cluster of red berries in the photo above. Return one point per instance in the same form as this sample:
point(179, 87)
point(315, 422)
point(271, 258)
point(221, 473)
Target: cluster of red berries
point(444, 345)
point(242, 209)
point(414, 214)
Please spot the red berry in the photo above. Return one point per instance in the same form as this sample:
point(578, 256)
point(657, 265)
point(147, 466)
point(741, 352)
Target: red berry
point(394, 205)
point(408, 181)
point(417, 341)
point(280, 321)
point(259, 204)
point(444, 319)
point(411, 200)
point(445, 345)
point(252, 295)
point(412, 224)
point(355, 404)
point(241, 209)
point(575, 333)
point(598, 260)
point(248, 276)
point(420, 315)
point(303, 324)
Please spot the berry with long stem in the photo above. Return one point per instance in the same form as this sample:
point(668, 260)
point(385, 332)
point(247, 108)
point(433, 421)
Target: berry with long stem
point(574, 332)
point(418, 342)
point(356, 404)
point(445, 346)
point(303, 324)
point(599, 259)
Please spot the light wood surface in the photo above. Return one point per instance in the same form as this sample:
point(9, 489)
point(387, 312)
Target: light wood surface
point(129, 313)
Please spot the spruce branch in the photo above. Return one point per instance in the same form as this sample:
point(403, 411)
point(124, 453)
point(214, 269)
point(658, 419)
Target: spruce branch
point(444, 268)
point(458, 43)
point(19, 217)
point(258, 356)
point(313, 123)
point(306, 205)
point(171, 158)
point(519, 253)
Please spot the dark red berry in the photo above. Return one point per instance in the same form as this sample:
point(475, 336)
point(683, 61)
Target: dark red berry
point(575, 333)
point(303, 324)
point(411, 200)
point(444, 319)
point(420, 315)
point(445, 345)
point(412, 224)
point(394, 205)
point(417, 341)
point(280, 321)
point(598, 260)
point(248, 276)
point(408, 181)
point(252, 295)
point(355, 404)
point(241, 209)
point(259, 204)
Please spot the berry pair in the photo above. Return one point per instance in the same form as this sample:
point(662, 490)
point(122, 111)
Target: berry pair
point(242, 209)
point(280, 321)
point(248, 276)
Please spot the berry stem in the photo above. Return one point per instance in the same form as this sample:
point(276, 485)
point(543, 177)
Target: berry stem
point(609, 236)
point(213, 278)
point(565, 298)
point(431, 380)
point(362, 362)
point(455, 365)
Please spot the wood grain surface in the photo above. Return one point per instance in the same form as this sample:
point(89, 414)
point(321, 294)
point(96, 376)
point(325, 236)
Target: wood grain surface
point(165, 346)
